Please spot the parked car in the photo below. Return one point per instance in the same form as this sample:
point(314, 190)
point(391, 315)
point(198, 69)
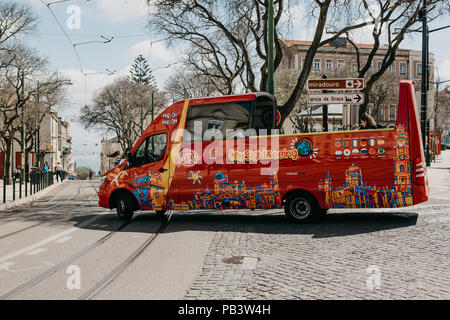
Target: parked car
point(72, 176)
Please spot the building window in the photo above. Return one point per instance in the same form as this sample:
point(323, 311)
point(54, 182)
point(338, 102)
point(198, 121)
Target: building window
point(381, 113)
point(303, 62)
point(392, 67)
point(354, 67)
point(329, 64)
point(402, 68)
point(418, 69)
point(340, 64)
point(379, 64)
point(296, 61)
point(392, 112)
point(317, 64)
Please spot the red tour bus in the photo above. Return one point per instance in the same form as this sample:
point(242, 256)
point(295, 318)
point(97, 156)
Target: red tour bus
point(183, 162)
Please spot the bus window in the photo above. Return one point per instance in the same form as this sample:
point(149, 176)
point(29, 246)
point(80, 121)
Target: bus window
point(156, 147)
point(151, 149)
point(139, 155)
point(206, 122)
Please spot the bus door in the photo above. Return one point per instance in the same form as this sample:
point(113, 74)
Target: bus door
point(147, 172)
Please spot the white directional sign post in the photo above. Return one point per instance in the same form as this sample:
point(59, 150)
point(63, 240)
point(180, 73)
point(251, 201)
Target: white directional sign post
point(322, 92)
point(335, 98)
point(316, 97)
point(336, 84)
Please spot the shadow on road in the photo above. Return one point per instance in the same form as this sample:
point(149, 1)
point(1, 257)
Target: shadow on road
point(331, 225)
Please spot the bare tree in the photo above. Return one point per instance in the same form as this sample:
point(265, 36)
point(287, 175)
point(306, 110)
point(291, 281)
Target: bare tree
point(18, 86)
point(116, 109)
point(16, 20)
point(384, 92)
point(185, 84)
point(392, 21)
point(228, 39)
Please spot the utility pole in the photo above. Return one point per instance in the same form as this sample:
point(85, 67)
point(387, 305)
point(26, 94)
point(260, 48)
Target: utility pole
point(325, 111)
point(423, 113)
point(142, 119)
point(22, 156)
point(270, 45)
point(37, 127)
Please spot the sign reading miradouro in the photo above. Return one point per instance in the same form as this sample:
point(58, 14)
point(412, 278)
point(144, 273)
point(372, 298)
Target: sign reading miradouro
point(320, 95)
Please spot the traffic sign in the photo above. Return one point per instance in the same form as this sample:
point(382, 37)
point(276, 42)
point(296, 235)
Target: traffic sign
point(336, 98)
point(336, 84)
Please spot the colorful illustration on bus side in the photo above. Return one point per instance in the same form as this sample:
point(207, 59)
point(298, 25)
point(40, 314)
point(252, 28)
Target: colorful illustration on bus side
point(229, 195)
point(357, 194)
point(117, 175)
point(305, 147)
point(149, 190)
point(195, 177)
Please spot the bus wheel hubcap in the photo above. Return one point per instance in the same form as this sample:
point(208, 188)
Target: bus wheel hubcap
point(300, 208)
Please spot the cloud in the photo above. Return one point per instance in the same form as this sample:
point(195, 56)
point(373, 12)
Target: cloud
point(122, 10)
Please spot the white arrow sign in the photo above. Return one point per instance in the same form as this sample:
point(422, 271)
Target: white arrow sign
point(336, 98)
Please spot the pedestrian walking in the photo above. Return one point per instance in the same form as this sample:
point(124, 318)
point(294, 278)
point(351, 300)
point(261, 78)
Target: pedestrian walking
point(45, 167)
point(15, 175)
point(59, 172)
point(90, 174)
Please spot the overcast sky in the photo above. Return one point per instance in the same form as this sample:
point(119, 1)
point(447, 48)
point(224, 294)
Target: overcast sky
point(125, 21)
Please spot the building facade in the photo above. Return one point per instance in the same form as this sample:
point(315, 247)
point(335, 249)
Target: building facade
point(110, 155)
point(55, 146)
point(339, 60)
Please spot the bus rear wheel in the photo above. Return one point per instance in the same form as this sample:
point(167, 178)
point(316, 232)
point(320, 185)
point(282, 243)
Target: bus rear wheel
point(125, 206)
point(301, 208)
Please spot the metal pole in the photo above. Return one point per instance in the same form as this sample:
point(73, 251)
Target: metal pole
point(22, 156)
point(270, 44)
point(4, 178)
point(427, 68)
point(325, 111)
point(142, 120)
point(423, 114)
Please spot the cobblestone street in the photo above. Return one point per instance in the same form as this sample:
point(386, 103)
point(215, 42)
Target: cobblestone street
point(350, 254)
point(330, 259)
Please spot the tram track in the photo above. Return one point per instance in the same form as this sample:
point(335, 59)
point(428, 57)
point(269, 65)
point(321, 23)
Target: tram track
point(99, 286)
point(81, 252)
point(40, 277)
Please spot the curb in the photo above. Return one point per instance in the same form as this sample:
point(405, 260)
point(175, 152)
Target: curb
point(34, 197)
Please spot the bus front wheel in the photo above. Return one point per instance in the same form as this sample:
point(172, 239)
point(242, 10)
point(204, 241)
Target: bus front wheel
point(125, 206)
point(301, 208)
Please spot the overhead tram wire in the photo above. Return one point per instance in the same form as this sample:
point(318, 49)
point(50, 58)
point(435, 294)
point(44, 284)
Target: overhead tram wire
point(64, 31)
point(74, 45)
